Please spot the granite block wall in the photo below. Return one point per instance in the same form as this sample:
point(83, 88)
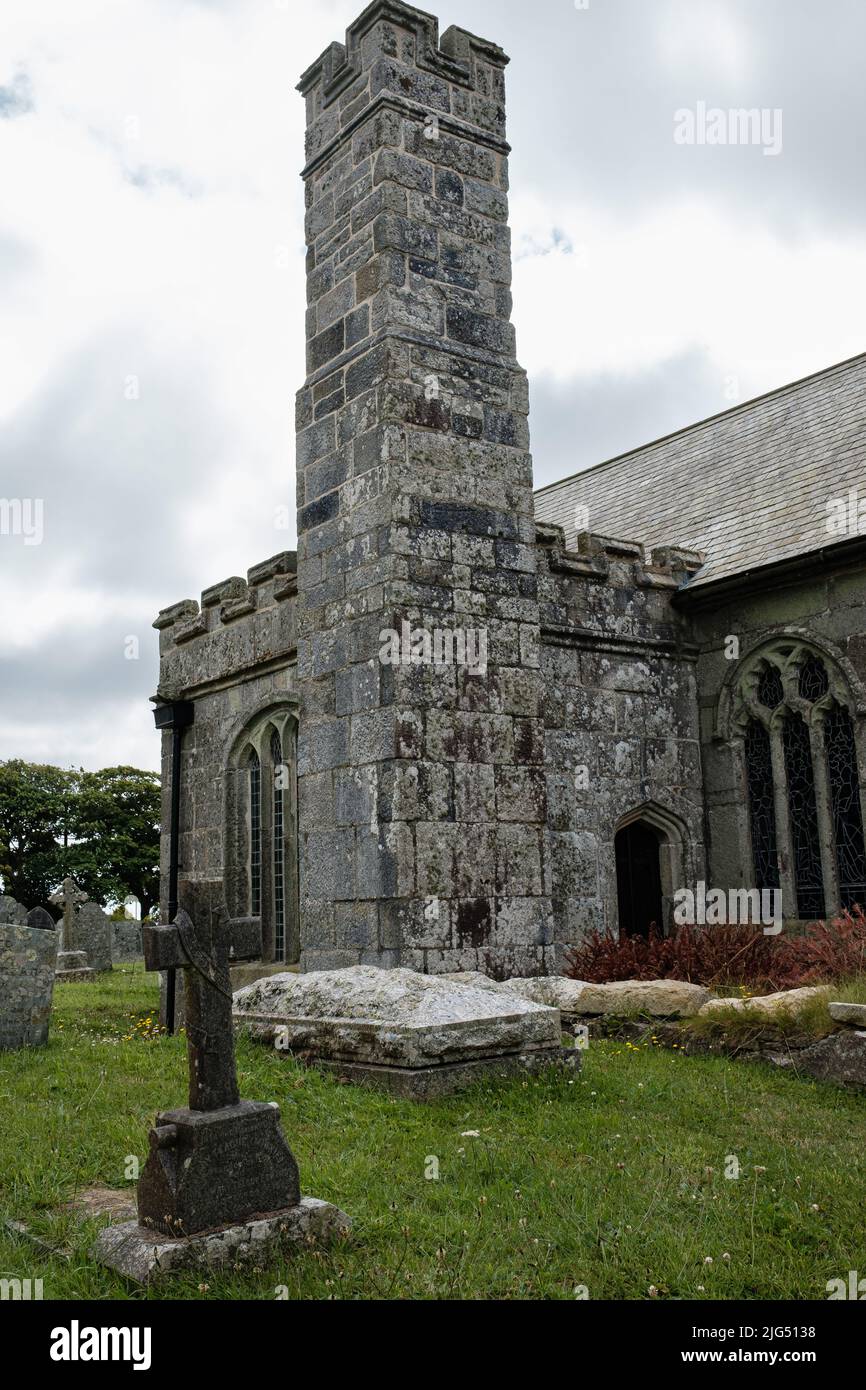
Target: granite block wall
point(621, 729)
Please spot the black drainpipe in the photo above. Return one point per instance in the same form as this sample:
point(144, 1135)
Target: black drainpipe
point(177, 717)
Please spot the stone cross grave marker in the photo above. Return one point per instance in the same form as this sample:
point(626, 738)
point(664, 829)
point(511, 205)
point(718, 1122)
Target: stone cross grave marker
point(68, 896)
point(221, 1159)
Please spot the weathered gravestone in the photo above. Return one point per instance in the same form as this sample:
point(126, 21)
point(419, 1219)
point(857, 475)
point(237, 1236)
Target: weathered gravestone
point(126, 941)
point(85, 949)
point(93, 935)
point(67, 896)
point(220, 1183)
point(28, 951)
point(12, 911)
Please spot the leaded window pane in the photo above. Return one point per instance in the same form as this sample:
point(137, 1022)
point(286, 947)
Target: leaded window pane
point(814, 681)
point(255, 836)
point(770, 692)
point(803, 815)
point(279, 855)
point(847, 817)
point(762, 806)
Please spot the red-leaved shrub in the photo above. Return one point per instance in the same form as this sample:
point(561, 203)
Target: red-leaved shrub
point(729, 956)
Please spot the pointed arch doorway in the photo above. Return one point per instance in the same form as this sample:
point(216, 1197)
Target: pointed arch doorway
point(650, 846)
point(638, 879)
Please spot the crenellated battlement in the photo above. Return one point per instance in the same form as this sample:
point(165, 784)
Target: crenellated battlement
point(246, 622)
point(622, 563)
point(271, 581)
point(394, 50)
point(610, 590)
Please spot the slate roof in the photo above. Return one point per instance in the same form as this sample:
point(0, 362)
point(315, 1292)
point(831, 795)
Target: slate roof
point(747, 488)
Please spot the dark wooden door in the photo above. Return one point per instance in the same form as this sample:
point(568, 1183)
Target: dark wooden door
point(638, 879)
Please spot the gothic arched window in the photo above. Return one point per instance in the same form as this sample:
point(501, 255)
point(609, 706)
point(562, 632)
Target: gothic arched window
point(260, 834)
point(802, 780)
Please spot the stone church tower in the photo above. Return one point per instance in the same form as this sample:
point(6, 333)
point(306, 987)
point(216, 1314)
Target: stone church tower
point(421, 788)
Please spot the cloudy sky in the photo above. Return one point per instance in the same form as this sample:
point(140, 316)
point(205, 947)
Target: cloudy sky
point(151, 283)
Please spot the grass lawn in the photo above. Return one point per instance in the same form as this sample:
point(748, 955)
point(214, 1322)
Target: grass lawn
point(614, 1179)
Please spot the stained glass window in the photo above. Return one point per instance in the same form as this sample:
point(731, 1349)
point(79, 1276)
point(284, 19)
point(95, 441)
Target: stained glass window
point(279, 855)
point(803, 815)
point(762, 806)
point(847, 817)
point(814, 681)
point(770, 692)
point(255, 836)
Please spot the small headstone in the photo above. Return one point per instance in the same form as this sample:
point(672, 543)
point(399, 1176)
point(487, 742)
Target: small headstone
point(72, 968)
point(41, 919)
point(126, 941)
point(27, 962)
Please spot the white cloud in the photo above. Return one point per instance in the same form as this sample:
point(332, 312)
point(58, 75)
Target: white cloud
point(117, 734)
point(705, 40)
point(684, 277)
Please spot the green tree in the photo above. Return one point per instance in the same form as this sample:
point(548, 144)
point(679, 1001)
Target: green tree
point(114, 835)
point(35, 810)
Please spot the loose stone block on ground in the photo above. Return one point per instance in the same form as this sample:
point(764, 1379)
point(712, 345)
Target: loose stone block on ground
point(766, 1006)
point(841, 1058)
point(853, 1014)
point(658, 998)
